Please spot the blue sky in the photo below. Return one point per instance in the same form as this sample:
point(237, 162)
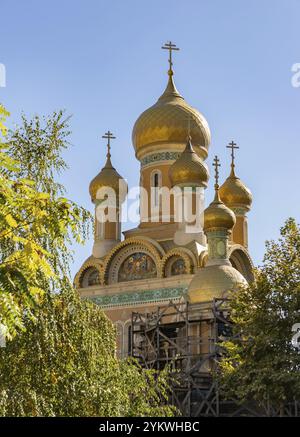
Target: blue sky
point(101, 61)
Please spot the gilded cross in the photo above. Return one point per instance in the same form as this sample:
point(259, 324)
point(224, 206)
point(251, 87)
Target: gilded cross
point(232, 146)
point(216, 164)
point(170, 46)
point(110, 136)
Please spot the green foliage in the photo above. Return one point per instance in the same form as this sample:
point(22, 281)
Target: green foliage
point(38, 144)
point(147, 391)
point(64, 365)
point(60, 360)
point(36, 228)
point(261, 364)
point(3, 115)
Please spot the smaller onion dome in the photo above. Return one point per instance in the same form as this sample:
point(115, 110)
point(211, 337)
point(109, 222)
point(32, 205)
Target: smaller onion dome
point(218, 215)
point(108, 177)
point(189, 169)
point(234, 192)
point(214, 282)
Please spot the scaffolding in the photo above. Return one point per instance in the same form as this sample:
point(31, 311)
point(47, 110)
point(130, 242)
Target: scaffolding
point(187, 337)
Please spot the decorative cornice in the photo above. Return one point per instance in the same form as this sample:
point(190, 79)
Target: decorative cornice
point(138, 297)
point(159, 156)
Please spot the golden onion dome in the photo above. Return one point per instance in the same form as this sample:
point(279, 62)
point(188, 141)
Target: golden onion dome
point(234, 192)
point(108, 177)
point(166, 122)
point(218, 215)
point(214, 282)
point(189, 169)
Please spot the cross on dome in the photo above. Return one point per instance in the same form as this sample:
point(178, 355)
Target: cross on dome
point(216, 164)
point(232, 146)
point(110, 136)
point(170, 46)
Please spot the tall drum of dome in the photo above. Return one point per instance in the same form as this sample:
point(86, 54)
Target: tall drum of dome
point(163, 125)
point(190, 171)
point(218, 276)
point(108, 191)
point(238, 198)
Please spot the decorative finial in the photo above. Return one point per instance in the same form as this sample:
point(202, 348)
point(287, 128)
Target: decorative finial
point(110, 136)
point(232, 146)
point(170, 46)
point(216, 164)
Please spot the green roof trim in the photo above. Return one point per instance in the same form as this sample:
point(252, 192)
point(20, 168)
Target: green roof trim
point(138, 297)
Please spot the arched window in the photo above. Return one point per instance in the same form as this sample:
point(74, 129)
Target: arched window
point(155, 186)
point(241, 262)
point(127, 338)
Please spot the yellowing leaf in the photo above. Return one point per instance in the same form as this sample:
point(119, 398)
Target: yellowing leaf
point(11, 221)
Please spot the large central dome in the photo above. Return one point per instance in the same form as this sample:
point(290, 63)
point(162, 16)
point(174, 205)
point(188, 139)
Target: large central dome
point(167, 122)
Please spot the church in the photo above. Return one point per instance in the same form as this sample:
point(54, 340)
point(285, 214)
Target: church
point(165, 258)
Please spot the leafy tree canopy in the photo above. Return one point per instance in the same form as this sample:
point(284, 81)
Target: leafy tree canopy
point(65, 365)
point(262, 364)
point(36, 224)
point(60, 360)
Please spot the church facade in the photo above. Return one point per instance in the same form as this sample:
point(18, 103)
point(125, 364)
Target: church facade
point(165, 257)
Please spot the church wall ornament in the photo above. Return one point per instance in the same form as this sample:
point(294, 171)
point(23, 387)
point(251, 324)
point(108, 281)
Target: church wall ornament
point(93, 276)
point(159, 157)
point(217, 247)
point(138, 297)
point(130, 247)
point(175, 266)
point(138, 265)
point(176, 254)
point(89, 264)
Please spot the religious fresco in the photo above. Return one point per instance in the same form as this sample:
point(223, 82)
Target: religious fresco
point(93, 277)
point(137, 266)
point(178, 267)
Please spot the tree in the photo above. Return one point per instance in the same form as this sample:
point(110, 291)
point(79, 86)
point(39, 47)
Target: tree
point(36, 226)
point(261, 364)
point(38, 145)
point(3, 114)
point(65, 365)
point(60, 360)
